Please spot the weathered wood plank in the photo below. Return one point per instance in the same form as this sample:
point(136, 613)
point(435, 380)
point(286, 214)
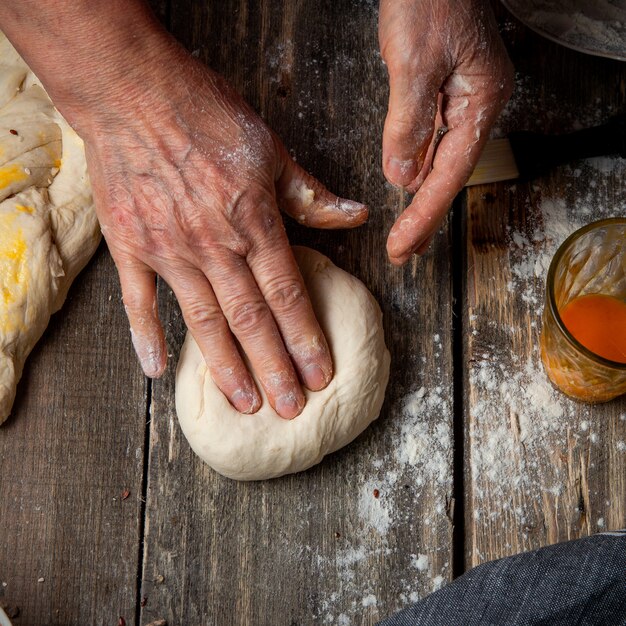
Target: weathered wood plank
point(69, 543)
point(541, 468)
point(318, 546)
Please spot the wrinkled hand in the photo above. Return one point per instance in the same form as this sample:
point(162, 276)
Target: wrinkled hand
point(187, 181)
point(448, 69)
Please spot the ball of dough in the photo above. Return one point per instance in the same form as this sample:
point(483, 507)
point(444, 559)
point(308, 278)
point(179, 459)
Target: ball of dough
point(263, 445)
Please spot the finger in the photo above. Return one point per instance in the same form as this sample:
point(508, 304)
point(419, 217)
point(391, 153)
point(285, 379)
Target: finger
point(409, 124)
point(423, 247)
point(280, 282)
point(209, 328)
point(140, 302)
point(251, 321)
point(304, 198)
point(453, 164)
point(427, 164)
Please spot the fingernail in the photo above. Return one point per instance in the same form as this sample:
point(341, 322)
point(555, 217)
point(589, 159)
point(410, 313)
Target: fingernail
point(245, 401)
point(401, 171)
point(314, 377)
point(151, 365)
point(150, 358)
point(288, 406)
point(351, 208)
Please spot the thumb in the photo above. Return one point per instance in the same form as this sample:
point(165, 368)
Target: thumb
point(304, 198)
point(409, 125)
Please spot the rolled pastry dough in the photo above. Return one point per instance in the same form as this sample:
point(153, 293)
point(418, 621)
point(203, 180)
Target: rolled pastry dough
point(263, 445)
point(48, 225)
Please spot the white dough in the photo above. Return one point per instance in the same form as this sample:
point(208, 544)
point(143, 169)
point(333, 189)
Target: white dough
point(263, 445)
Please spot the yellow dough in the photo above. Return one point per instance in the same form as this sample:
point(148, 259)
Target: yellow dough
point(48, 226)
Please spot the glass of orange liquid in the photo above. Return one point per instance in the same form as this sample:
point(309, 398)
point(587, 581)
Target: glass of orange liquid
point(583, 338)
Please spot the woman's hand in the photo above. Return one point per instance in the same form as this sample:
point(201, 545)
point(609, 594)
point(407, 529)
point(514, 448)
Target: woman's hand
point(187, 182)
point(449, 78)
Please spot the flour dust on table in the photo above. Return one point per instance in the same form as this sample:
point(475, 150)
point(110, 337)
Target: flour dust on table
point(518, 417)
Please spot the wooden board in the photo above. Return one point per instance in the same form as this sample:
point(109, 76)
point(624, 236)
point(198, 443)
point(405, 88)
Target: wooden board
point(540, 467)
point(317, 546)
point(74, 443)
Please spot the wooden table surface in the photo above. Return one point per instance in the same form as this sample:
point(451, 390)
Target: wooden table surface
point(106, 513)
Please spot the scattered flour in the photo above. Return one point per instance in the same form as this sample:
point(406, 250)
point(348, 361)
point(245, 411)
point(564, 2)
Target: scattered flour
point(369, 600)
point(375, 510)
point(518, 419)
point(417, 434)
point(515, 410)
point(422, 448)
point(514, 398)
point(425, 440)
point(420, 562)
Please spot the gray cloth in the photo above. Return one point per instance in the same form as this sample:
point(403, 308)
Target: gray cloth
point(577, 583)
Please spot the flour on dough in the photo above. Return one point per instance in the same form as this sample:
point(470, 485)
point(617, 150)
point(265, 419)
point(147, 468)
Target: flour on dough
point(263, 445)
point(48, 225)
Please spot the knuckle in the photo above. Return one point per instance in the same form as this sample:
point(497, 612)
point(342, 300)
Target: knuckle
point(210, 232)
point(397, 56)
point(402, 124)
point(121, 215)
point(245, 206)
point(416, 111)
point(311, 348)
point(129, 232)
point(201, 314)
point(405, 127)
point(401, 63)
point(285, 293)
point(135, 303)
point(247, 316)
point(409, 62)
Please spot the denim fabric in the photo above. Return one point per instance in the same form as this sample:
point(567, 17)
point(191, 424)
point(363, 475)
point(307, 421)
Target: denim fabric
point(576, 583)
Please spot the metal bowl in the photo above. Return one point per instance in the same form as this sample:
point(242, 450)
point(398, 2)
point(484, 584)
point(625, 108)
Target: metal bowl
point(595, 27)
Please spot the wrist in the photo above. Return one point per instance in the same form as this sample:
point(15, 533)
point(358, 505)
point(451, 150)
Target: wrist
point(92, 56)
point(114, 85)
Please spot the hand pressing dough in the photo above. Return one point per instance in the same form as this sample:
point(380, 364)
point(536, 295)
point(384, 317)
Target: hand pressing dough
point(48, 225)
point(263, 445)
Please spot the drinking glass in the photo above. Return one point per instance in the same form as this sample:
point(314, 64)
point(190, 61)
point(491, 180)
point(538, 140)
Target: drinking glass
point(591, 261)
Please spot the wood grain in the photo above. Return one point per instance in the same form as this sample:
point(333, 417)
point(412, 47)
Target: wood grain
point(540, 468)
point(74, 443)
point(318, 545)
